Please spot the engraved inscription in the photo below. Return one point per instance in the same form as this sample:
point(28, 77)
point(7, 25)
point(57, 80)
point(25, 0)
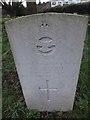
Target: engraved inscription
point(45, 51)
point(48, 89)
point(47, 38)
point(44, 25)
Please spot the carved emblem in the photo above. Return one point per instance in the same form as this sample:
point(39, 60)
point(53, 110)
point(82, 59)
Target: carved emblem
point(45, 45)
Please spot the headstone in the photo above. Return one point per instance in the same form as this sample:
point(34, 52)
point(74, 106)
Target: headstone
point(47, 50)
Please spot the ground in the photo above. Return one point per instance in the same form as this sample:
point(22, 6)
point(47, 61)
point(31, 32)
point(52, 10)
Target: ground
point(13, 101)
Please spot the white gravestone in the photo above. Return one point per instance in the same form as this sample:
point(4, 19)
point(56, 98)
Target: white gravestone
point(47, 50)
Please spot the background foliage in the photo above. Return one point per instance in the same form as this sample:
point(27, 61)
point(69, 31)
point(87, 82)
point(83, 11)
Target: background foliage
point(81, 8)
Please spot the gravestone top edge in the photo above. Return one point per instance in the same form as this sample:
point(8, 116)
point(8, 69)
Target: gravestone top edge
point(49, 13)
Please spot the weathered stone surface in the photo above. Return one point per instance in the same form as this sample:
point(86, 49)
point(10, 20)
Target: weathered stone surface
point(47, 50)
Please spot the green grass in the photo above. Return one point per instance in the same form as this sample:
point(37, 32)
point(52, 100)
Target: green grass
point(13, 101)
point(0, 70)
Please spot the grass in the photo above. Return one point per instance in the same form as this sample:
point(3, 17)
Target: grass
point(13, 101)
point(0, 70)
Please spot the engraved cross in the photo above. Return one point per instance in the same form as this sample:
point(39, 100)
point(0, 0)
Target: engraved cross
point(47, 89)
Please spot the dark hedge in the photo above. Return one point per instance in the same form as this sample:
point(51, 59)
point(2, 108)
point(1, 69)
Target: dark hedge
point(81, 8)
